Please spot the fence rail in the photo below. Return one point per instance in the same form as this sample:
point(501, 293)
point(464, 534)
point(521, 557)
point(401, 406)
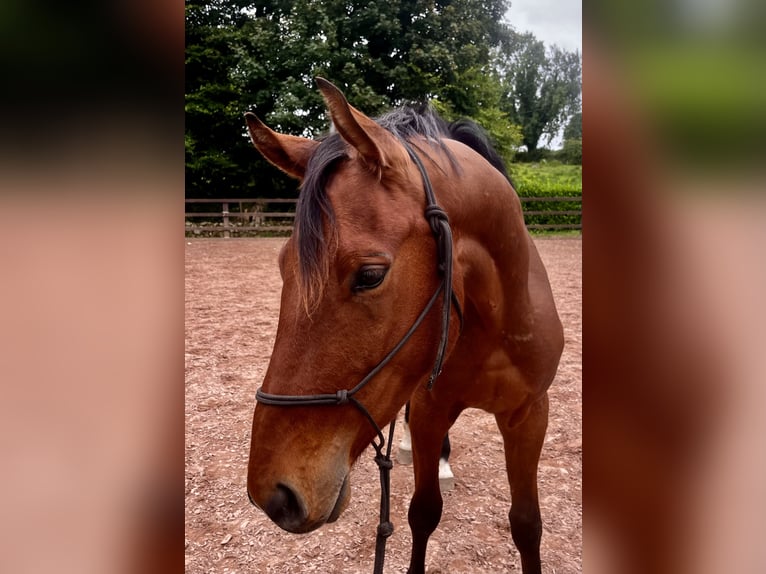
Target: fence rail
point(262, 216)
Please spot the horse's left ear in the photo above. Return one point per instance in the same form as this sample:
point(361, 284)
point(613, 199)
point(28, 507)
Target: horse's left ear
point(374, 143)
point(289, 153)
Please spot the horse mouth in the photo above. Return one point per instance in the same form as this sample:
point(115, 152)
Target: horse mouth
point(342, 501)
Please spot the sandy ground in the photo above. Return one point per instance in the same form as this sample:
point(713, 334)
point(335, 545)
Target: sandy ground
point(232, 305)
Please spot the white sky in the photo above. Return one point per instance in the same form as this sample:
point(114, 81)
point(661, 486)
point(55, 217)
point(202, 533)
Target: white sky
point(552, 21)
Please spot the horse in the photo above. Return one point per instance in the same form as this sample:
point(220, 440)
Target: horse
point(393, 216)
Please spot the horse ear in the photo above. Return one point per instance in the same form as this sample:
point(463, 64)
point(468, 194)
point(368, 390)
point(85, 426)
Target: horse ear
point(289, 153)
point(374, 143)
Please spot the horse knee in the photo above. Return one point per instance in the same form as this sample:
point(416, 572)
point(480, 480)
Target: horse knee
point(526, 528)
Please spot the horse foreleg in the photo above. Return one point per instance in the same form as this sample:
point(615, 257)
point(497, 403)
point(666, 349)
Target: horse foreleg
point(426, 505)
point(523, 442)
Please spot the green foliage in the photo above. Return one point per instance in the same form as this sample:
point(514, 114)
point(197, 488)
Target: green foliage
point(540, 154)
point(506, 136)
point(573, 131)
point(572, 151)
point(542, 86)
point(263, 56)
point(246, 54)
point(482, 103)
point(548, 179)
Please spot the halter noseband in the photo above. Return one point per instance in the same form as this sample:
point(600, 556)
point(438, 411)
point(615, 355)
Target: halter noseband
point(439, 222)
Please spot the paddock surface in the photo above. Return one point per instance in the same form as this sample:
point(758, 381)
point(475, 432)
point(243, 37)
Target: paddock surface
point(232, 305)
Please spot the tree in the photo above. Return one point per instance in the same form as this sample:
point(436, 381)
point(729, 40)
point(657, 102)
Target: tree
point(481, 101)
point(571, 152)
point(573, 131)
point(214, 142)
point(542, 86)
point(264, 55)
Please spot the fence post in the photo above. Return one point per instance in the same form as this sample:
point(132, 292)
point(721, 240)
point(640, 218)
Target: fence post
point(226, 220)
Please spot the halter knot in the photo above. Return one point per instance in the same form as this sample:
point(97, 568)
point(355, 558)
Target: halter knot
point(342, 397)
point(385, 529)
point(435, 216)
point(384, 463)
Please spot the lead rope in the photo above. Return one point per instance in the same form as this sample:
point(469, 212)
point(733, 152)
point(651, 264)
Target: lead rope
point(385, 527)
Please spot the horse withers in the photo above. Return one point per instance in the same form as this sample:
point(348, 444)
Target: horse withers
point(360, 277)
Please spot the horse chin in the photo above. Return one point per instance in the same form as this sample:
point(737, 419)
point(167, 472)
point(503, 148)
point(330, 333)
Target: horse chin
point(342, 502)
point(340, 505)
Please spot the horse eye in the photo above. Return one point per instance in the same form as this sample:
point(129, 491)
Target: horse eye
point(369, 277)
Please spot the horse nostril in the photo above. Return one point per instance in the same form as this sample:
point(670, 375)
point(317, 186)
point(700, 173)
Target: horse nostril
point(286, 509)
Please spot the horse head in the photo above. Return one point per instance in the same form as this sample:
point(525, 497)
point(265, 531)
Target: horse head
point(357, 273)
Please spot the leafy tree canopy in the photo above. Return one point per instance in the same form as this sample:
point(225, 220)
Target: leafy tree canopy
point(542, 86)
point(263, 56)
point(573, 131)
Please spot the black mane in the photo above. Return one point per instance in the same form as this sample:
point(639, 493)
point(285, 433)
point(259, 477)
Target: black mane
point(473, 135)
point(313, 207)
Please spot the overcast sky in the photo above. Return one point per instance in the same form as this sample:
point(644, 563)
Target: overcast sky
point(552, 21)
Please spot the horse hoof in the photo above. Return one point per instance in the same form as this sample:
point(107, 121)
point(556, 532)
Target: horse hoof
point(446, 478)
point(404, 456)
point(446, 484)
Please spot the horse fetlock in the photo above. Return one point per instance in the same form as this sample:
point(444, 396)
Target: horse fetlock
point(526, 529)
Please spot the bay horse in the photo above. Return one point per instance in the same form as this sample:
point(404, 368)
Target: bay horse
point(361, 275)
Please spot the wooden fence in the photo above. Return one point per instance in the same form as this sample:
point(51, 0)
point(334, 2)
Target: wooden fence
point(259, 216)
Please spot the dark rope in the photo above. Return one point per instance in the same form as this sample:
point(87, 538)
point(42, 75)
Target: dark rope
point(344, 396)
point(439, 222)
point(385, 527)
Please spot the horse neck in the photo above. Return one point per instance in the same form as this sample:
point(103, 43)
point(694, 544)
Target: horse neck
point(492, 244)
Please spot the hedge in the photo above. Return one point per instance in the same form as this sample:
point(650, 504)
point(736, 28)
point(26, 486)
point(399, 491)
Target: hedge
point(549, 179)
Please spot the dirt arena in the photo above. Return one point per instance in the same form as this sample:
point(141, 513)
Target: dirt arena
point(232, 305)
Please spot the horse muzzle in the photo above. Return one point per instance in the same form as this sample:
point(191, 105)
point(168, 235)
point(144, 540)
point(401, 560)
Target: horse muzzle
point(288, 509)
